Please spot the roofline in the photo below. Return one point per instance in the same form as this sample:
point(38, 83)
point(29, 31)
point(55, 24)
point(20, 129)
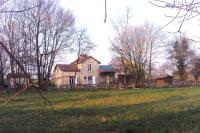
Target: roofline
point(107, 71)
point(62, 70)
point(58, 67)
point(85, 60)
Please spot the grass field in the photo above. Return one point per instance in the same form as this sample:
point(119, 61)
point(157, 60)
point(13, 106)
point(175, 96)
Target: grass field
point(149, 110)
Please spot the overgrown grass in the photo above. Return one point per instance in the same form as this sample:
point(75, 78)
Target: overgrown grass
point(149, 110)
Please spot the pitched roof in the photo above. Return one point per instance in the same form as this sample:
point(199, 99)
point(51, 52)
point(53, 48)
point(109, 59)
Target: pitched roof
point(66, 67)
point(83, 58)
point(106, 68)
point(72, 66)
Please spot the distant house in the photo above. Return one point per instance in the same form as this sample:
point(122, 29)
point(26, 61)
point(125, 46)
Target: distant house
point(164, 81)
point(16, 80)
point(82, 71)
point(86, 70)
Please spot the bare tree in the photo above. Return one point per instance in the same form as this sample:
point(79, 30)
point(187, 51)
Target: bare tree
point(155, 40)
point(133, 47)
point(117, 64)
point(165, 69)
point(42, 32)
point(83, 45)
point(47, 32)
point(136, 46)
point(119, 27)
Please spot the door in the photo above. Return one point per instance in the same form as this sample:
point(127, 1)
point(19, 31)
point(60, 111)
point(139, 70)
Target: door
point(89, 79)
point(71, 80)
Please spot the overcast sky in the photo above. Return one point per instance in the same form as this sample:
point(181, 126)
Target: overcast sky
point(90, 14)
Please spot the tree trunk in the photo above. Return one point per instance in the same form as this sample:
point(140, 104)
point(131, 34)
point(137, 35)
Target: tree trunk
point(38, 56)
point(1, 71)
point(150, 58)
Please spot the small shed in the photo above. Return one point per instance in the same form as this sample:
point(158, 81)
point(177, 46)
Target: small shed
point(164, 81)
point(15, 80)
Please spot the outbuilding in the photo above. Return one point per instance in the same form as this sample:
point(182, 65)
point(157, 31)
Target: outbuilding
point(164, 81)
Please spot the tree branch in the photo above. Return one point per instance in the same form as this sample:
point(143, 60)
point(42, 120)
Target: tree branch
point(18, 11)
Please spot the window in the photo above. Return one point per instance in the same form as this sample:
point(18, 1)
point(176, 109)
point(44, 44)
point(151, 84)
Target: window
point(89, 67)
point(89, 78)
point(79, 66)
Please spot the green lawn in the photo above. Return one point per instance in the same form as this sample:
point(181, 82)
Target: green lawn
point(147, 110)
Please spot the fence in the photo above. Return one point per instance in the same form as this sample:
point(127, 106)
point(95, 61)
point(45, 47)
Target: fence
point(86, 86)
point(128, 86)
